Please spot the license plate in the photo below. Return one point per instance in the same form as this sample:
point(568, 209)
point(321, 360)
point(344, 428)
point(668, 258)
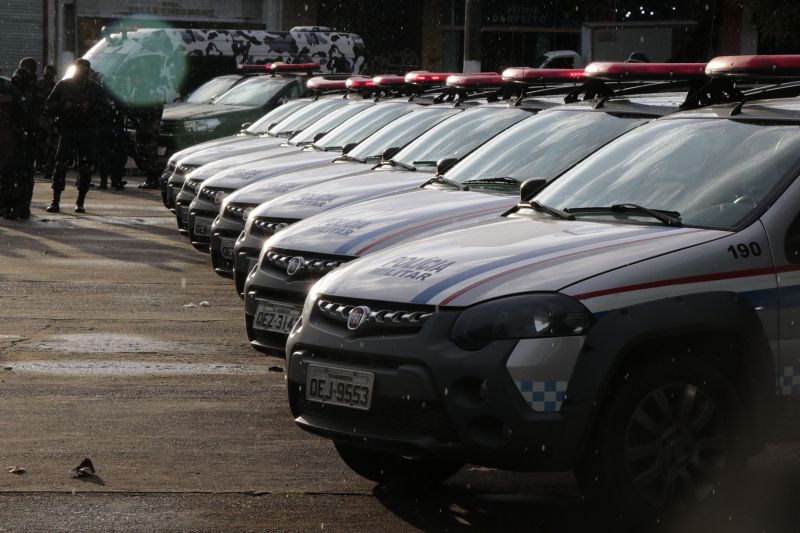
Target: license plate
point(184, 214)
point(170, 195)
point(162, 150)
point(202, 227)
point(339, 386)
point(227, 248)
point(272, 316)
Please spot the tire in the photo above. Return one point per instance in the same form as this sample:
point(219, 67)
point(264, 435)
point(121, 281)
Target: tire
point(397, 470)
point(671, 435)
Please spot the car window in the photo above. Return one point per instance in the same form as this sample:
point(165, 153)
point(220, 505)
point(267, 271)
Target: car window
point(276, 115)
point(543, 146)
point(459, 135)
point(713, 172)
point(254, 92)
point(364, 124)
point(401, 132)
point(210, 90)
point(308, 115)
point(326, 124)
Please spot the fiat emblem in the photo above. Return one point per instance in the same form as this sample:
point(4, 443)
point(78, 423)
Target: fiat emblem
point(294, 265)
point(358, 317)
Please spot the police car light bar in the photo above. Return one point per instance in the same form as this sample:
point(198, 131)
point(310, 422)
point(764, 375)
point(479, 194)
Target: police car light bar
point(279, 67)
point(320, 83)
point(359, 83)
point(762, 66)
point(539, 75)
point(478, 79)
point(388, 80)
point(421, 77)
point(645, 71)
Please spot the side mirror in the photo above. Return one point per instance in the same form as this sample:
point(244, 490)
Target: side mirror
point(389, 153)
point(347, 147)
point(531, 186)
point(443, 165)
point(246, 125)
point(319, 136)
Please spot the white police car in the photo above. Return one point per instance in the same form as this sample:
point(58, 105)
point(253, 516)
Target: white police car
point(484, 185)
point(636, 321)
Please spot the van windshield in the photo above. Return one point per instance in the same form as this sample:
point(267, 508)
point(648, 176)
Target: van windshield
point(254, 92)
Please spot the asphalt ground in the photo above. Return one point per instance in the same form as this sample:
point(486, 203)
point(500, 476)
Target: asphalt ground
point(119, 343)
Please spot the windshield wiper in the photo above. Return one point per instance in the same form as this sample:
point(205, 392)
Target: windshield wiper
point(444, 181)
point(489, 181)
point(537, 206)
point(396, 163)
point(670, 218)
point(345, 157)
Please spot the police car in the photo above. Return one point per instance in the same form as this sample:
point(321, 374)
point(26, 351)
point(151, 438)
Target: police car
point(236, 207)
point(257, 129)
point(634, 321)
point(365, 119)
point(273, 147)
point(483, 185)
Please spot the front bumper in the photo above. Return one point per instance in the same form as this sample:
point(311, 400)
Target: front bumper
point(430, 395)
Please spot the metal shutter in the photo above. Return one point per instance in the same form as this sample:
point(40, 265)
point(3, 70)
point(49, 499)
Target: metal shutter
point(21, 32)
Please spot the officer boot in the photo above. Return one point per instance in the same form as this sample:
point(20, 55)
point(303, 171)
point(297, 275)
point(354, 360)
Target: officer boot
point(103, 182)
point(79, 202)
point(53, 207)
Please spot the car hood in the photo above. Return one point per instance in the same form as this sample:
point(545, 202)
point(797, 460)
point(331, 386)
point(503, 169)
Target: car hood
point(180, 154)
point(263, 191)
point(226, 163)
point(501, 258)
point(200, 111)
point(309, 201)
point(243, 175)
point(246, 145)
point(366, 227)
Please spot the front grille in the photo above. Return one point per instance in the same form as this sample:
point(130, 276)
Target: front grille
point(306, 265)
point(268, 227)
point(169, 127)
point(214, 194)
point(385, 317)
point(405, 418)
point(238, 212)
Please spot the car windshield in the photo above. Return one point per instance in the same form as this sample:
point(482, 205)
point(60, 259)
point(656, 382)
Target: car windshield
point(459, 135)
point(262, 125)
point(364, 124)
point(210, 90)
point(401, 132)
point(326, 124)
point(253, 92)
point(711, 172)
point(308, 115)
point(542, 146)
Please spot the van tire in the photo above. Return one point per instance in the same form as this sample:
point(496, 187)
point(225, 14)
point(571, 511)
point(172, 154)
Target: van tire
point(395, 470)
point(671, 436)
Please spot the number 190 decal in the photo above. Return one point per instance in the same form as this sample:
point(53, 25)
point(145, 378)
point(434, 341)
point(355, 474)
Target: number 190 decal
point(744, 250)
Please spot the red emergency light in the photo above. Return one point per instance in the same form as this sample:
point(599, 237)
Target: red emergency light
point(771, 66)
point(534, 75)
point(421, 77)
point(359, 83)
point(477, 79)
point(644, 71)
point(320, 83)
point(388, 80)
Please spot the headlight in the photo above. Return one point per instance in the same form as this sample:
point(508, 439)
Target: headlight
point(200, 126)
point(191, 185)
point(520, 317)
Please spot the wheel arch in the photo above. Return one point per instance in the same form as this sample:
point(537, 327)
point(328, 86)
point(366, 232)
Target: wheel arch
point(691, 324)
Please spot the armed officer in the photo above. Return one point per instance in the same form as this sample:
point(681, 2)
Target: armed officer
point(76, 103)
point(24, 79)
point(12, 112)
point(46, 156)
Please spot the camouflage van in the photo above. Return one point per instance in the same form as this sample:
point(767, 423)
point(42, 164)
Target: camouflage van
point(179, 60)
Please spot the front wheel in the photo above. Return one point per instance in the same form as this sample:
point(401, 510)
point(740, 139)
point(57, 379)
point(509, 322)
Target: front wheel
point(672, 433)
point(397, 470)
